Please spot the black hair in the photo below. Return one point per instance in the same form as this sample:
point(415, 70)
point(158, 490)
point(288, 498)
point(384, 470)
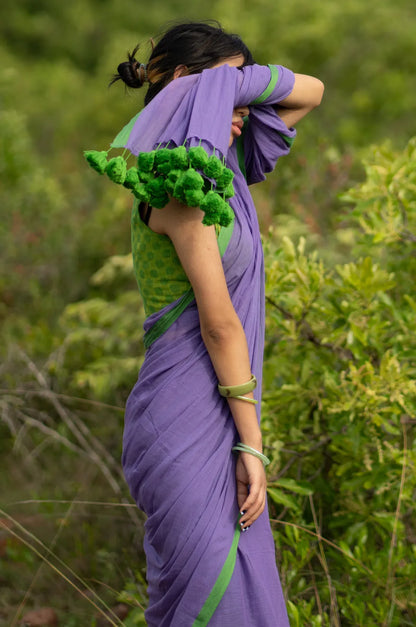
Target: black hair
point(196, 45)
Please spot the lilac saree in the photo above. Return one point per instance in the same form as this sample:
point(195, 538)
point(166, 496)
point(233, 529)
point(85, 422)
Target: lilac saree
point(179, 431)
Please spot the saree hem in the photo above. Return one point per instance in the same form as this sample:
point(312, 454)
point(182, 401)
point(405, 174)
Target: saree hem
point(221, 584)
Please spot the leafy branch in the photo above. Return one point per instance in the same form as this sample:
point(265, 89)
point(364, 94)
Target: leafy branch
point(306, 333)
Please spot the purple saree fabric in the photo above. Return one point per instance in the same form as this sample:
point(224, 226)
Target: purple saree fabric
point(178, 430)
point(200, 106)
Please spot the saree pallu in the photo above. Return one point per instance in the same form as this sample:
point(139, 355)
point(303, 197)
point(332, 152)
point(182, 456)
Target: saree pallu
point(177, 442)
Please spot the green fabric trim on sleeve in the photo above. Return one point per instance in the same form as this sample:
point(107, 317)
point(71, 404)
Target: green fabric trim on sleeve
point(288, 140)
point(220, 586)
point(122, 138)
point(274, 72)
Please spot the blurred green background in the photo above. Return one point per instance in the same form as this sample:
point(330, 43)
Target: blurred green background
point(339, 405)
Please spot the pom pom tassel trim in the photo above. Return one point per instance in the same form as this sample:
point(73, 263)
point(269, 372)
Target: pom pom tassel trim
point(176, 172)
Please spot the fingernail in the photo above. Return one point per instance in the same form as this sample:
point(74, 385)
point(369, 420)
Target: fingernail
point(241, 524)
point(243, 511)
point(246, 528)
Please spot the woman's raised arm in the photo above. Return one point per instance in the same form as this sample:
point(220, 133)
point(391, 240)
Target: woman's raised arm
point(306, 95)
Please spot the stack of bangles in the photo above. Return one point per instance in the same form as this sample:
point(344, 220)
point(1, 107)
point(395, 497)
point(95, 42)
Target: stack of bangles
point(238, 391)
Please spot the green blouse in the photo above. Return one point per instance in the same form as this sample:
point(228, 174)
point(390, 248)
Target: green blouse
point(159, 273)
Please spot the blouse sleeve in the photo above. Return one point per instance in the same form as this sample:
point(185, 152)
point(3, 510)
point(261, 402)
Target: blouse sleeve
point(265, 136)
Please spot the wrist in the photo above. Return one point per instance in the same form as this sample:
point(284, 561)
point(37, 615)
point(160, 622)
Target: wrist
point(244, 449)
point(255, 441)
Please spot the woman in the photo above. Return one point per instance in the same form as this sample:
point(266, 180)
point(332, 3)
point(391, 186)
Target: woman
point(208, 542)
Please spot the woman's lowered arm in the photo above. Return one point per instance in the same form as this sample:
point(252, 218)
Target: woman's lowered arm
point(223, 335)
point(221, 329)
point(306, 95)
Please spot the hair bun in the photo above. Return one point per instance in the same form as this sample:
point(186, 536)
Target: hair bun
point(131, 72)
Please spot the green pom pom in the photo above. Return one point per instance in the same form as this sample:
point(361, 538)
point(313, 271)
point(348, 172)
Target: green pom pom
point(179, 158)
point(141, 193)
point(192, 180)
point(162, 161)
point(207, 186)
point(145, 161)
point(169, 187)
point(171, 180)
point(161, 155)
point(179, 191)
point(145, 177)
point(226, 215)
point(216, 210)
point(229, 191)
point(156, 186)
point(198, 157)
point(116, 170)
point(132, 178)
point(212, 206)
point(225, 178)
point(194, 197)
point(159, 201)
point(174, 175)
point(97, 160)
point(214, 168)
point(157, 193)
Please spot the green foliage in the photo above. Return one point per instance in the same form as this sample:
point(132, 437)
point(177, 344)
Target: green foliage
point(33, 210)
point(385, 203)
point(134, 594)
point(102, 348)
point(340, 385)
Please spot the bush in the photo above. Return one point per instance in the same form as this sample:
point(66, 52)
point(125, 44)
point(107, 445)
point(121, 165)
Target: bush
point(339, 407)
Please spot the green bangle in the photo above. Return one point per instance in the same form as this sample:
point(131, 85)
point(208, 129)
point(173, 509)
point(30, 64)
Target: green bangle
point(247, 399)
point(244, 448)
point(237, 391)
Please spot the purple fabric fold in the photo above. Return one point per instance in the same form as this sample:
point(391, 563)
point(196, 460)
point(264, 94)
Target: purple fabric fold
point(178, 430)
point(187, 108)
point(200, 107)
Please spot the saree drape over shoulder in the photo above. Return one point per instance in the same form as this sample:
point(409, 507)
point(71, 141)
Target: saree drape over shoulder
point(179, 431)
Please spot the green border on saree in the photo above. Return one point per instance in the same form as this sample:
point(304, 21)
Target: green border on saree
point(121, 139)
point(288, 140)
point(221, 584)
point(273, 82)
point(168, 319)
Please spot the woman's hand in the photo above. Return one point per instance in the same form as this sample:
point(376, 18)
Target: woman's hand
point(251, 488)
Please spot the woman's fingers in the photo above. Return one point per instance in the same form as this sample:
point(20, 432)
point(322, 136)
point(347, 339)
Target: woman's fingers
point(251, 488)
point(242, 493)
point(252, 508)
